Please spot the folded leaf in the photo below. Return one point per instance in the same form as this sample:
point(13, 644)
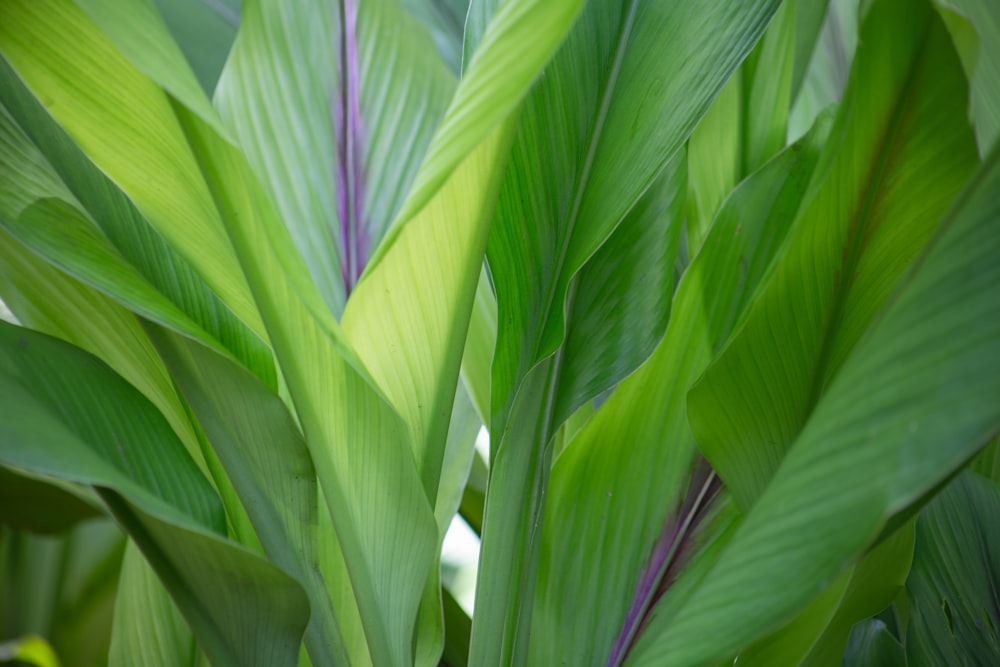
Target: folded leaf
point(335, 102)
point(630, 462)
point(914, 401)
point(67, 415)
point(902, 151)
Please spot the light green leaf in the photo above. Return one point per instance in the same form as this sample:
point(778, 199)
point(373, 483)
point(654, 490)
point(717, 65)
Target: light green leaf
point(262, 450)
point(826, 74)
point(67, 415)
point(595, 134)
point(914, 401)
point(124, 123)
point(335, 103)
point(147, 627)
point(980, 50)
point(589, 570)
point(745, 125)
point(120, 254)
point(902, 151)
point(446, 21)
point(956, 575)
point(138, 30)
point(205, 31)
point(359, 444)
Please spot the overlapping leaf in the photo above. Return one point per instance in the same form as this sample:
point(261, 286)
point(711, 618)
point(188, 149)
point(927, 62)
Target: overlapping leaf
point(124, 123)
point(630, 462)
point(594, 136)
point(335, 103)
point(903, 151)
point(916, 399)
point(68, 415)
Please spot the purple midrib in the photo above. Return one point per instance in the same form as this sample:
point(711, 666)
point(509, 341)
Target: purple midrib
point(670, 553)
point(350, 181)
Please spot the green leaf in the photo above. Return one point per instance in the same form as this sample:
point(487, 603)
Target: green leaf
point(33, 504)
point(122, 255)
point(205, 31)
point(980, 50)
point(956, 575)
point(138, 30)
point(914, 401)
point(818, 635)
point(595, 134)
point(147, 627)
point(825, 76)
point(589, 570)
point(262, 450)
point(67, 415)
point(335, 103)
point(875, 582)
point(872, 645)
point(632, 276)
point(446, 21)
point(53, 303)
point(124, 123)
point(359, 444)
point(902, 151)
point(745, 126)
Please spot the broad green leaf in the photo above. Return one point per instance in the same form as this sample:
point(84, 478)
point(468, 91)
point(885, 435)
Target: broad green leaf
point(33, 504)
point(980, 49)
point(446, 21)
point(359, 445)
point(589, 570)
point(138, 30)
point(58, 305)
point(124, 123)
point(120, 254)
point(956, 575)
point(875, 582)
point(334, 102)
point(595, 135)
point(632, 276)
point(914, 401)
point(205, 31)
point(147, 628)
point(67, 415)
point(903, 150)
point(262, 450)
point(826, 74)
point(745, 125)
point(818, 635)
point(809, 21)
point(408, 324)
point(872, 645)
